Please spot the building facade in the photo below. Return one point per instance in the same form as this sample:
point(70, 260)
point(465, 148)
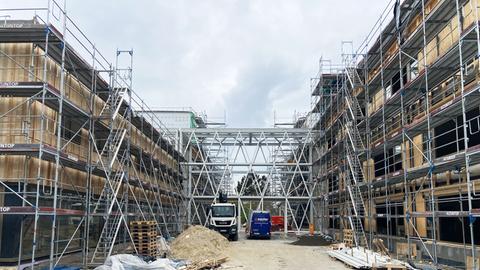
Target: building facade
point(77, 162)
point(399, 126)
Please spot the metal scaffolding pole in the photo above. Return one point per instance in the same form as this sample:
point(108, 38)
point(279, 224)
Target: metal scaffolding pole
point(85, 129)
point(281, 154)
point(40, 153)
point(58, 144)
point(465, 124)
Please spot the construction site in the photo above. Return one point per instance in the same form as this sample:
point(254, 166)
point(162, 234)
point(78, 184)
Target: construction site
point(380, 173)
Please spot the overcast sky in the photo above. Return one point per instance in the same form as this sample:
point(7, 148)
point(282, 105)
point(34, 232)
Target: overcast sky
point(245, 58)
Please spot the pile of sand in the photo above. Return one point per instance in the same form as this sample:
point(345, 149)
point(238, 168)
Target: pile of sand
point(198, 243)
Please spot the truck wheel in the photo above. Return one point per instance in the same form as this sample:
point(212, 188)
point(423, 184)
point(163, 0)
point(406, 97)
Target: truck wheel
point(234, 237)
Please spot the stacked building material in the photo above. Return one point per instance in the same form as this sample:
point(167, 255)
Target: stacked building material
point(348, 237)
point(144, 234)
point(361, 258)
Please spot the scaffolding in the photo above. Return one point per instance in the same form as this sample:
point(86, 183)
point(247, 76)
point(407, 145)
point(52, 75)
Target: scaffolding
point(399, 140)
point(263, 169)
point(78, 159)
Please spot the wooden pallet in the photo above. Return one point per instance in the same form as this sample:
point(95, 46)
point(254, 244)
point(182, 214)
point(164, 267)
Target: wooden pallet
point(141, 244)
point(348, 237)
point(338, 246)
point(149, 253)
point(147, 249)
point(389, 267)
point(143, 230)
point(149, 225)
point(145, 244)
point(144, 237)
point(144, 234)
point(142, 222)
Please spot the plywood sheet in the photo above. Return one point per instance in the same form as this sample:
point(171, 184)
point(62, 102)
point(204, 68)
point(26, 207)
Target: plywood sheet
point(421, 222)
point(417, 150)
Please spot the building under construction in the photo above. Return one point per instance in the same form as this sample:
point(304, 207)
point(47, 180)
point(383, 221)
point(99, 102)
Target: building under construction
point(399, 120)
point(79, 158)
point(389, 151)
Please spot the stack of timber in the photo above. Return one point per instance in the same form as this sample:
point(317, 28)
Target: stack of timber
point(361, 258)
point(144, 234)
point(348, 237)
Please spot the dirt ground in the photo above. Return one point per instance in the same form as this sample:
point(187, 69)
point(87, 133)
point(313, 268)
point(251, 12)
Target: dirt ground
point(275, 254)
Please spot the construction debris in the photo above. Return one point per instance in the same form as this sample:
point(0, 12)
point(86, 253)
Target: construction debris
point(313, 240)
point(163, 247)
point(360, 258)
point(206, 264)
point(132, 262)
point(380, 246)
point(198, 244)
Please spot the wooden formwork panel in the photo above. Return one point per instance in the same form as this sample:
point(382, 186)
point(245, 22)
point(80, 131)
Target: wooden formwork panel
point(417, 150)
point(406, 155)
point(25, 63)
point(448, 36)
point(470, 262)
point(377, 101)
point(430, 6)
point(370, 224)
point(20, 63)
point(470, 11)
point(17, 168)
point(421, 222)
point(16, 127)
point(369, 169)
point(402, 249)
point(413, 25)
point(413, 152)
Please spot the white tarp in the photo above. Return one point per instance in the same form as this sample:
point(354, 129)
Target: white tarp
point(132, 262)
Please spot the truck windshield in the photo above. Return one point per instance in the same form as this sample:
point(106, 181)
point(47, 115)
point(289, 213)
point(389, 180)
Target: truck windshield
point(223, 211)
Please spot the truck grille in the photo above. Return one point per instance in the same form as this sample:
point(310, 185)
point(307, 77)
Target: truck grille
point(222, 222)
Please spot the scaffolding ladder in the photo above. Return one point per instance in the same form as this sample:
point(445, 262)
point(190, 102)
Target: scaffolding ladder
point(114, 160)
point(353, 148)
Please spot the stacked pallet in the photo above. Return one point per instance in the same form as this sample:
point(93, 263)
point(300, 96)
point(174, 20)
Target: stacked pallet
point(348, 237)
point(144, 234)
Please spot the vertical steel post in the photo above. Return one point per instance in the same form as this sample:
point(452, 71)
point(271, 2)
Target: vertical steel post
point(42, 126)
point(429, 136)
point(59, 139)
point(465, 131)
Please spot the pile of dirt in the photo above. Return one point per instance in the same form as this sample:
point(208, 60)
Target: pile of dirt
point(313, 240)
point(198, 243)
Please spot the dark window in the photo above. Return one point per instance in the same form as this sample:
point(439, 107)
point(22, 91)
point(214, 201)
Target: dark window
point(452, 228)
point(70, 130)
point(449, 135)
point(396, 83)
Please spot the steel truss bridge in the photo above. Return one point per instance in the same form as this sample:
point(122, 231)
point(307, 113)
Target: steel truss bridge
point(275, 165)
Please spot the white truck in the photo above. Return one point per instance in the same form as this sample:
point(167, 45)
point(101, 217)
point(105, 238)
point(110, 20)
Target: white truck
point(223, 219)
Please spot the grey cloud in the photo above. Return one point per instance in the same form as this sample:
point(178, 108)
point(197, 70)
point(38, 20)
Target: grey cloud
point(244, 57)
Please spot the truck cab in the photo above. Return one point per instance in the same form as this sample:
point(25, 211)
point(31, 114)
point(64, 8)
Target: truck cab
point(260, 225)
point(223, 219)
